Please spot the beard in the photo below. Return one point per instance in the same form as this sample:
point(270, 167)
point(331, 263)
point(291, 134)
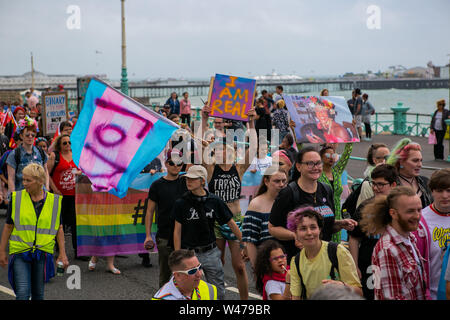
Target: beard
point(408, 225)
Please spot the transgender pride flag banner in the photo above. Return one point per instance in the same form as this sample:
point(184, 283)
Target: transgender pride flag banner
point(115, 137)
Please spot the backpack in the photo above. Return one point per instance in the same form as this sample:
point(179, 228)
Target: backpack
point(57, 155)
point(351, 201)
point(3, 164)
point(332, 255)
point(294, 189)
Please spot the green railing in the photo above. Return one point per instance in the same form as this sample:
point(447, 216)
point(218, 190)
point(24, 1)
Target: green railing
point(414, 124)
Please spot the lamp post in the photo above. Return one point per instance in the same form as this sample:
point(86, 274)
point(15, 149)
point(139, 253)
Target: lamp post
point(124, 80)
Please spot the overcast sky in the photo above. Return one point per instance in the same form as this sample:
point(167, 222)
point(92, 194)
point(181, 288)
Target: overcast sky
point(198, 38)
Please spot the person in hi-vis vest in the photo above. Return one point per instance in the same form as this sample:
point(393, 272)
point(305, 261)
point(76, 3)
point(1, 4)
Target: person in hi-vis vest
point(186, 283)
point(32, 224)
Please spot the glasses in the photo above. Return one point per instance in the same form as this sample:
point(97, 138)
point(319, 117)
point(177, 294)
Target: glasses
point(329, 155)
point(65, 143)
point(382, 158)
point(171, 163)
point(192, 271)
point(312, 164)
point(32, 135)
point(283, 256)
point(378, 185)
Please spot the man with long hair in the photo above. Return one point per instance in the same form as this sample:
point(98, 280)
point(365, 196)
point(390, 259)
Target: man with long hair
point(399, 268)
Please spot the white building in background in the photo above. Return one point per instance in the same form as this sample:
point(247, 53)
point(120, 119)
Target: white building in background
point(41, 81)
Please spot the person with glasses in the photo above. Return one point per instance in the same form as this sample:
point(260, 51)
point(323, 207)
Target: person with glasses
point(25, 154)
point(272, 272)
point(161, 198)
point(306, 190)
point(185, 282)
point(383, 179)
point(333, 168)
point(63, 172)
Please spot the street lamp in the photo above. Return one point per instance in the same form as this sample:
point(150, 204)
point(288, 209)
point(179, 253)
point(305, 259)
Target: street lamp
point(124, 80)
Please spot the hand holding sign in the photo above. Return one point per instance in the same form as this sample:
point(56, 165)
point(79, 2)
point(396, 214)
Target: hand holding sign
point(231, 97)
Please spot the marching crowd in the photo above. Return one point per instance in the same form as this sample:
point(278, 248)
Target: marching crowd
point(305, 235)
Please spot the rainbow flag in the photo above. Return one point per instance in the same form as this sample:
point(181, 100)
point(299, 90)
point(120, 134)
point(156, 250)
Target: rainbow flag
point(115, 137)
point(108, 225)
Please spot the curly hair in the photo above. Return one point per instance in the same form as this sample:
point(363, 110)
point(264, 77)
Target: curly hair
point(58, 142)
point(262, 263)
point(375, 215)
point(297, 215)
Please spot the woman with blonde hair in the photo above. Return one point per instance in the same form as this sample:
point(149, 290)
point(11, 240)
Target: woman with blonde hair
point(33, 223)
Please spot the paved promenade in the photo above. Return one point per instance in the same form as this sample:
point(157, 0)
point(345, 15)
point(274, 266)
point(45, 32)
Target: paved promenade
point(139, 283)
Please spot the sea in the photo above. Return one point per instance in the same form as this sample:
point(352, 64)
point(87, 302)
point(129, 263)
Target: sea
point(422, 101)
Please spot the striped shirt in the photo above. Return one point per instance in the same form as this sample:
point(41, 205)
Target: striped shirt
point(255, 228)
point(399, 273)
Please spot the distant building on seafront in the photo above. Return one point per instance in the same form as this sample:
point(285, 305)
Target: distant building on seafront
point(41, 81)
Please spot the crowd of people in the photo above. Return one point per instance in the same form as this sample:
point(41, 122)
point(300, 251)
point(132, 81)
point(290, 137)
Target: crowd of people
point(396, 221)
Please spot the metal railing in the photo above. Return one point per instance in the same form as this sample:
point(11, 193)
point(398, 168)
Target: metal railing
point(412, 124)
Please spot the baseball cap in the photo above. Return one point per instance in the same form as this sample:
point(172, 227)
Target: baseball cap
point(197, 171)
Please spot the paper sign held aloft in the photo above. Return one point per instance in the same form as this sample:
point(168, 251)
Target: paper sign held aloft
point(231, 97)
point(321, 119)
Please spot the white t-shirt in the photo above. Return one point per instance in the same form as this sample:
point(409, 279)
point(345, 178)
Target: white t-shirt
point(260, 164)
point(438, 121)
point(274, 287)
point(439, 226)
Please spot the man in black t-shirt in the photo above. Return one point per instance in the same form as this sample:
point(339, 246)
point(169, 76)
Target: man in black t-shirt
point(162, 195)
point(195, 214)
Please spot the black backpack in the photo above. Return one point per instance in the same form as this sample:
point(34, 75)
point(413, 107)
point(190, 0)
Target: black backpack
point(296, 194)
point(351, 201)
point(56, 163)
point(332, 255)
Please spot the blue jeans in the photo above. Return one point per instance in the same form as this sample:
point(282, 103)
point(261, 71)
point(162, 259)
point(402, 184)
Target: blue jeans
point(213, 269)
point(29, 278)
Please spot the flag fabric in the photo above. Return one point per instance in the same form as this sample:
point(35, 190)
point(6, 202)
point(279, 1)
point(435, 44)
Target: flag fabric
point(108, 225)
point(250, 184)
point(116, 137)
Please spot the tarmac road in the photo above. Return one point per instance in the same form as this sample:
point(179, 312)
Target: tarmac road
point(135, 283)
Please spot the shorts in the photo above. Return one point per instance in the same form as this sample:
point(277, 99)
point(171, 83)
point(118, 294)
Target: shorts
point(224, 231)
point(358, 119)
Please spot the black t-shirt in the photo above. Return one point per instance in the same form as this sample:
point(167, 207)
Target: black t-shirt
point(38, 205)
point(165, 192)
point(264, 121)
point(197, 216)
point(284, 203)
point(367, 242)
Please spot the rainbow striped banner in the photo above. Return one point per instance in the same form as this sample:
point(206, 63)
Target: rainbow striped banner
point(108, 225)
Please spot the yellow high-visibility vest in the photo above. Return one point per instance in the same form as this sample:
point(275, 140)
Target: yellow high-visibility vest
point(207, 292)
point(30, 233)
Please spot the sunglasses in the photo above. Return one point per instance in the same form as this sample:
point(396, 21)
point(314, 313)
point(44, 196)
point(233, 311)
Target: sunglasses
point(171, 163)
point(65, 143)
point(283, 256)
point(32, 135)
point(192, 271)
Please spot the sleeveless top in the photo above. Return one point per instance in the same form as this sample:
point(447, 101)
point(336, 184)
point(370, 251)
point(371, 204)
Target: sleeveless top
point(225, 184)
point(64, 176)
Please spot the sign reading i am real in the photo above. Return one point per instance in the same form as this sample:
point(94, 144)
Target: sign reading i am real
point(231, 97)
point(55, 107)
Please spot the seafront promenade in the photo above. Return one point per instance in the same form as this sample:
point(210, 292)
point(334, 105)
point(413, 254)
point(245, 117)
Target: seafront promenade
point(355, 168)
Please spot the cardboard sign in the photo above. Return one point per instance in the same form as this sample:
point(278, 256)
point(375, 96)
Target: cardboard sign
point(321, 119)
point(231, 97)
point(55, 106)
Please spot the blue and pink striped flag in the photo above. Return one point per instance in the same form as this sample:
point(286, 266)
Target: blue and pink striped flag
point(116, 137)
